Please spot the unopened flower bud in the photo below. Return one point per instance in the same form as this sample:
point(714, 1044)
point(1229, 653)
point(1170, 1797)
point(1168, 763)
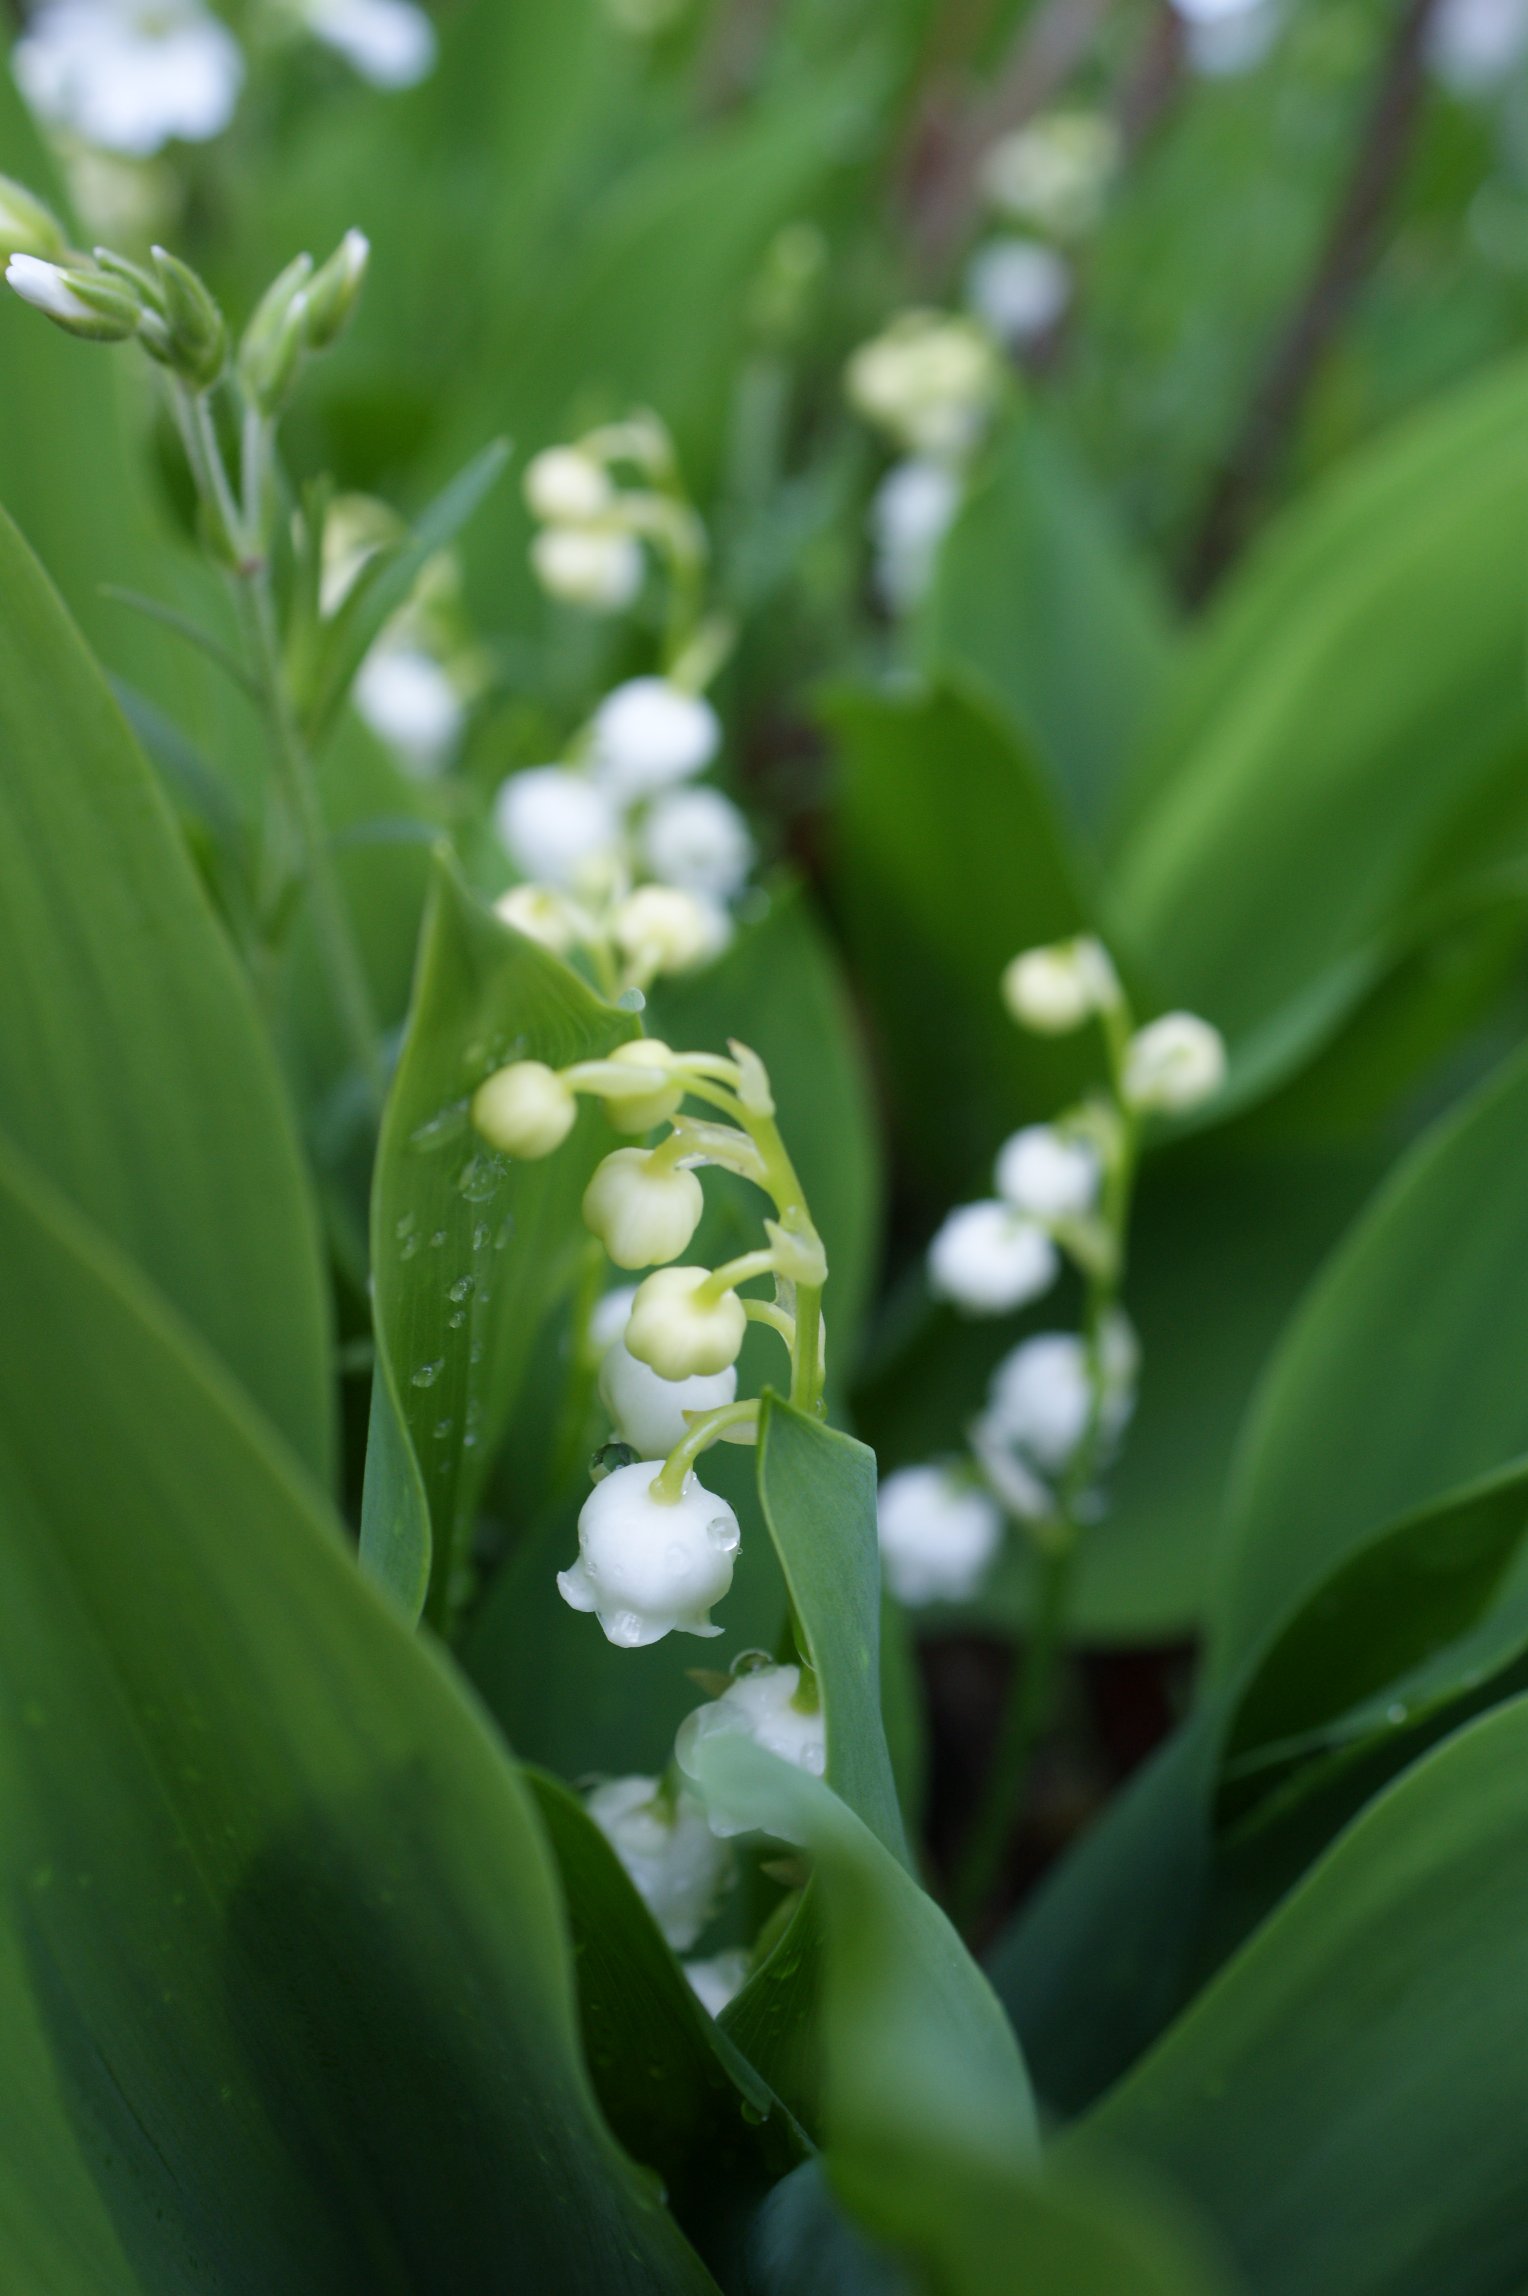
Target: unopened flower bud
point(1056, 171)
point(524, 1110)
point(674, 1861)
point(273, 344)
point(556, 825)
point(766, 1706)
point(990, 1259)
point(678, 1333)
point(1174, 1064)
point(597, 567)
point(1054, 990)
point(539, 915)
point(1048, 1174)
point(939, 1535)
point(662, 930)
point(644, 1213)
point(931, 382)
point(647, 1567)
point(566, 487)
point(27, 225)
point(650, 733)
point(82, 302)
point(335, 289)
point(648, 1412)
point(647, 1103)
point(190, 336)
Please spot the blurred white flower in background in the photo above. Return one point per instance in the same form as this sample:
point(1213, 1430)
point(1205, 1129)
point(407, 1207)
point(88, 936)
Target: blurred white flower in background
point(1473, 45)
point(698, 840)
point(911, 512)
point(129, 76)
point(1227, 37)
point(939, 1534)
point(1019, 288)
point(556, 826)
point(989, 1259)
point(929, 381)
point(410, 701)
point(649, 733)
point(673, 1860)
point(389, 42)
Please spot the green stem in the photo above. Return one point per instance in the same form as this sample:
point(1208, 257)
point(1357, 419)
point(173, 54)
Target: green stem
point(1026, 1718)
point(667, 1485)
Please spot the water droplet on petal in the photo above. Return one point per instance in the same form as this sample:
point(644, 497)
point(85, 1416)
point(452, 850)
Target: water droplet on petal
point(723, 1534)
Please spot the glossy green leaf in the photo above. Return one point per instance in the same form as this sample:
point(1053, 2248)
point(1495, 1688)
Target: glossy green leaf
point(1382, 1617)
point(1359, 683)
point(132, 1066)
point(286, 1996)
point(1038, 602)
point(950, 859)
point(930, 2134)
point(469, 1249)
point(1400, 1379)
point(818, 1493)
point(1344, 2102)
point(678, 2095)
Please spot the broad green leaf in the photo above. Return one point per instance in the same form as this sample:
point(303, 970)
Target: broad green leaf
point(678, 2095)
point(1037, 602)
point(1358, 685)
point(1393, 1607)
point(1400, 1379)
point(470, 1250)
point(1344, 2102)
point(780, 990)
point(285, 1991)
point(950, 859)
point(817, 1488)
point(1097, 1961)
point(132, 1066)
point(929, 2126)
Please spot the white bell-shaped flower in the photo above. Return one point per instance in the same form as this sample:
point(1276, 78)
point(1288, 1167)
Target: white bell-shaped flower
point(643, 1212)
point(607, 1324)
point(1050, 1174)
point(524, 1110)
point(698, 840)
point(1174, 1064)
point(649, 734)
point(1055, 989)
point(389, 42)
point(911, 512)
point(600, 568)
point(648, 1567)
point(129, 76)
point(648, 1412)
point(556, 826)
point(566, 487)
point(763, 1705)
point(989, 1259)
point(1041, 1394)
point(1020, 287)
point(676, 1864)
point(939, 1535)
point(718, 1979)
point(1023, 1493)
point(662, 930)
point(410, 702)
point(680, 1334)
point(1227, 37)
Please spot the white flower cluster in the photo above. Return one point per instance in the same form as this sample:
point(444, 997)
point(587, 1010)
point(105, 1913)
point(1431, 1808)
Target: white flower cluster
point(130, 76)
point(656, 1549)
point(623, 854)
point(676, 1851)
point(1059, 1402)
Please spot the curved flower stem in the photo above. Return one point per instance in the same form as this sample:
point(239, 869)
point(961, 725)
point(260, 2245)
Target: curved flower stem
point(667, 1485)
